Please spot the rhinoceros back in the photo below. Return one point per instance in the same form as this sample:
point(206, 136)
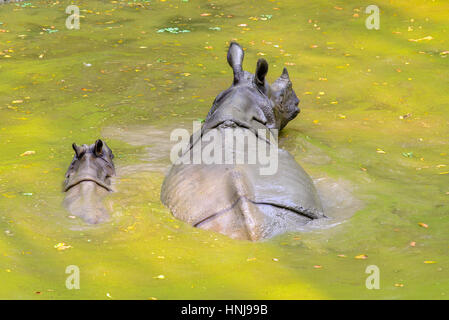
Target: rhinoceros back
point(239, 201)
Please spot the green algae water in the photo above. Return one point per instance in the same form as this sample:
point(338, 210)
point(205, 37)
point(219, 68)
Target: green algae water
point(373, 133)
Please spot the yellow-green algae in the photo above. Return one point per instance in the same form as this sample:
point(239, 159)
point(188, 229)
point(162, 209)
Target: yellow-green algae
point(374, 102)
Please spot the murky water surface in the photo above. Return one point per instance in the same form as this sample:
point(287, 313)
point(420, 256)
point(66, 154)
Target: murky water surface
point(372, 133)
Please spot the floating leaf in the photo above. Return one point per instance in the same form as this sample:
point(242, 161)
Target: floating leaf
point(62, 246)
point(174, 30)
point(421, 224)
point(421, 39)
point(265, 17)
point(361, 256)
point(28, 153)
point(50, 30)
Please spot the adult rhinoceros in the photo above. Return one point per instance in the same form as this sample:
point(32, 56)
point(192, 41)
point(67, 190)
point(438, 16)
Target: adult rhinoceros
point(236, 199)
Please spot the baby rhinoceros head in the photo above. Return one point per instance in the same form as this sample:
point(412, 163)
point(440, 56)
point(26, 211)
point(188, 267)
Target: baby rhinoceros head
point(88, 181)
point(91, 163)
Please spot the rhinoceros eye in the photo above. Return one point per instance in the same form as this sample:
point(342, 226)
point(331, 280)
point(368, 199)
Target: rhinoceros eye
point(81, 155)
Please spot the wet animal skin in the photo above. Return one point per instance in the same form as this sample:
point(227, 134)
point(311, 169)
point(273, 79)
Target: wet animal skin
point(235, 199)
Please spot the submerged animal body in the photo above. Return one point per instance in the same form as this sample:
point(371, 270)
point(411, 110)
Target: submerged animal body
point(88, 182)
point(237, 198)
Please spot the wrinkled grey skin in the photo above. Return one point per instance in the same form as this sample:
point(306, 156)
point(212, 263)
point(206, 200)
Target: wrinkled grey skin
point(88, 182)
point(235, 199)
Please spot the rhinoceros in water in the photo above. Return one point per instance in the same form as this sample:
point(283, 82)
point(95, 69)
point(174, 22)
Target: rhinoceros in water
point(88, 182)
point(235, 198)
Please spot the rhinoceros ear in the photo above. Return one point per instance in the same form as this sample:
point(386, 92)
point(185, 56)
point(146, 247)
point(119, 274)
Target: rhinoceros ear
point(261, 72)
point(235, 60)
point(78, 150)
point(98, 148)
